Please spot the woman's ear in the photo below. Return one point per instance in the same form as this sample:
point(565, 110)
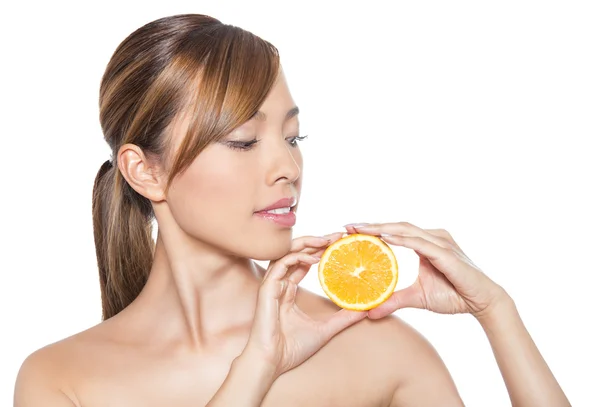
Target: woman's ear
point(141, 172)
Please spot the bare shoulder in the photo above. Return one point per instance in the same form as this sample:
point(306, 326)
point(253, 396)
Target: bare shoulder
point(393, 352)
point(390, 337)
point(46, 375)
point(40, 380)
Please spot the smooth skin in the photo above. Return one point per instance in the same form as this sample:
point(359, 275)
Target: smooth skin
point(212, 328)
point(449, 283)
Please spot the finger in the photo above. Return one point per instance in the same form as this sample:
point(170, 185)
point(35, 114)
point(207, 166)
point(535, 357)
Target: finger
point(334, 236)
point(317, 251)
point(351, 227)
point(274, 285)
point(402, 229)
point(339, 321)
point(446, 260)
point(268, 304)
point(280, 268)
point(309, 243)
point(444, 234)
point(409, 297)
point(317, 254)
point(301, 243)
point(298, 274)
point(318, 247)
point(289, 292)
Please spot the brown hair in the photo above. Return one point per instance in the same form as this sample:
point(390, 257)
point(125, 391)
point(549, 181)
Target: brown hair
point(220, 72)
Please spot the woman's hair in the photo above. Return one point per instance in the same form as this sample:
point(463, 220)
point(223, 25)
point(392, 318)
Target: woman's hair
point(219, 73)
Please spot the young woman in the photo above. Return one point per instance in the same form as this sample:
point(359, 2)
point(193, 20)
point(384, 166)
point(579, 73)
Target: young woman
point(204, 135)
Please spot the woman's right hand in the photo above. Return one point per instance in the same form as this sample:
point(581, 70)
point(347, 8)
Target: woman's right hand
point(282, 334)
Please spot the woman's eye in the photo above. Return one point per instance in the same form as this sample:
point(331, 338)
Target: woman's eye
point(294, 140)
point(242, 145)
point(248, 145)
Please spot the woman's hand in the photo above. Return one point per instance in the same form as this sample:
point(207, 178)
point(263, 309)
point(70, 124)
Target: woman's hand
point(282, 334)
point(448, 282)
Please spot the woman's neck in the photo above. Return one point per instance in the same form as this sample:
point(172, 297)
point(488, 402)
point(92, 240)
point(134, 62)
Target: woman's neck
point(196, 295)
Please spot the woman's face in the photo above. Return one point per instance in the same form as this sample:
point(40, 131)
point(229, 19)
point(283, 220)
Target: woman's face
point(221, 198)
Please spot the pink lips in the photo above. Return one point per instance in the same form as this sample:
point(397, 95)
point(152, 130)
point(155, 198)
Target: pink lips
point(282, 203)
point(283, 219)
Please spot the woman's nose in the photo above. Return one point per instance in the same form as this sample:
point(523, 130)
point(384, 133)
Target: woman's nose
point(283, 166)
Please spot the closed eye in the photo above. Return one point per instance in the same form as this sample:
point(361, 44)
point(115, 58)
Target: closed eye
point(242, 145)
point(248, 145)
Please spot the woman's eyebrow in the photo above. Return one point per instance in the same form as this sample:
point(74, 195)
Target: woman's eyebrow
point(293, 112)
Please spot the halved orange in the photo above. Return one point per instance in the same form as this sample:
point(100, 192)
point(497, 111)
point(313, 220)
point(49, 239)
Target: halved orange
point(358, 272)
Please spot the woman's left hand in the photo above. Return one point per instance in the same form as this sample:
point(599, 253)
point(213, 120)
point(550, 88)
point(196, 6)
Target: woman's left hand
point(448, 282)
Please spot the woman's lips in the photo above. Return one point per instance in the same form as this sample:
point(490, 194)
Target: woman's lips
point(280, 212)
point(287, 219)
point(289, 202)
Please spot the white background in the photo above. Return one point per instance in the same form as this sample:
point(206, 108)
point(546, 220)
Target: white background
point(478, 117)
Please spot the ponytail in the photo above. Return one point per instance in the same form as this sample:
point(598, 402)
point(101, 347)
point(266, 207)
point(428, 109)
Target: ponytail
point(123, 238)
point(187, 63)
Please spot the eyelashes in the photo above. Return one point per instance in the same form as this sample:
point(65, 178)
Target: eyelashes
point(294, 140)
point(248, 145)
point(241, 145)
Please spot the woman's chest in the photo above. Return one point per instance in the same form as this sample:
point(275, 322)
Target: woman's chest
point(148, 386)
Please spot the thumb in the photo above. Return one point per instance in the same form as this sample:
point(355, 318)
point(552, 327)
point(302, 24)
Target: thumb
point(341, 320)
point(267, 307)
point(409, 297)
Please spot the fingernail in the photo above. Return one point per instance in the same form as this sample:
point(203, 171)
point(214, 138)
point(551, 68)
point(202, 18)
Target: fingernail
point(355, 225)
point(316, 258)
point(328, 239)
point(385, 235)
point(364, 226)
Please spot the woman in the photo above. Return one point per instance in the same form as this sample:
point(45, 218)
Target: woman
point(204, 135)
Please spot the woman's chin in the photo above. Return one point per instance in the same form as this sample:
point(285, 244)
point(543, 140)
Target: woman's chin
point(271, 250)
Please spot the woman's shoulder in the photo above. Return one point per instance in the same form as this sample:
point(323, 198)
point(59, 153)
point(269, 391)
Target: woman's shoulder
point(386, 351)
point(61, 353)
point(47, 373)
point(390, 335)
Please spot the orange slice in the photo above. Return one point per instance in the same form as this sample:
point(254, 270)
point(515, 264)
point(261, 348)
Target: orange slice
point(358, 272)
